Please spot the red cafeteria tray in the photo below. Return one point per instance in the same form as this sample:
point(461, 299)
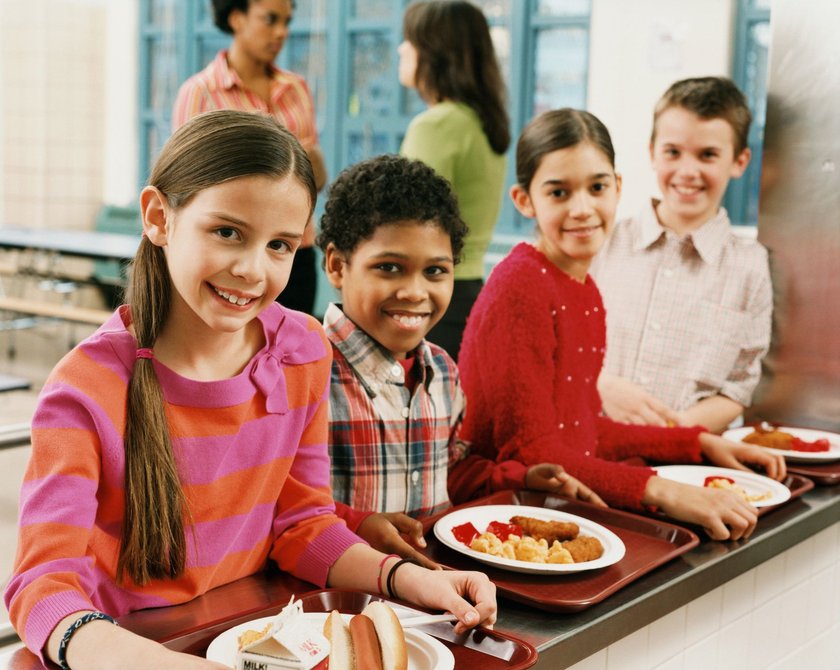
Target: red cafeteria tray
point(827, 474)
point(649, 543)
point(797, 485)
point(488, 649)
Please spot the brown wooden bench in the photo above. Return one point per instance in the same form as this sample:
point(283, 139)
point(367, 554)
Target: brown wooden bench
point(53, 310)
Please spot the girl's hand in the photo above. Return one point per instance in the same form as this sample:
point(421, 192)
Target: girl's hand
point(395, 533)
point(449, 590)
point(629, 403)
point(554, 479)
point(723, 514)
point(728, 454)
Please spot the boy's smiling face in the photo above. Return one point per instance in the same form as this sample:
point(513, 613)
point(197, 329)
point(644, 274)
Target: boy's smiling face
point(396, 284)
point(693, 159)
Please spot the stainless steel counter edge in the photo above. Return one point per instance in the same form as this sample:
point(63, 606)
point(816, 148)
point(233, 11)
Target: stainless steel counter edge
point(565, 639)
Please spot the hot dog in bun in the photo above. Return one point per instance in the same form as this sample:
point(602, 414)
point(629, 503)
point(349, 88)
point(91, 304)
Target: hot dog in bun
point(374, 640)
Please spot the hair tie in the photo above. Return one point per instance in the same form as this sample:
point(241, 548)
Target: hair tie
point(145, 352)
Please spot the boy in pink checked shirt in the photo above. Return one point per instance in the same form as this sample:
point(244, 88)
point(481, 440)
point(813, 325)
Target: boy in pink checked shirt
point(688, 301)
point(391, 236)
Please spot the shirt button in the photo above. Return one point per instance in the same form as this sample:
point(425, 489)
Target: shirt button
point(655, 326)
point(586, 453)
point(667, 273)
point(415, 477)
point(586, 312)
point(404, 412)
point(396, 369)
point(644, 380)
point(561, 426)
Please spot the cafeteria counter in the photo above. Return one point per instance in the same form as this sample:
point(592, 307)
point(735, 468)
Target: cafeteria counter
point(770, 602)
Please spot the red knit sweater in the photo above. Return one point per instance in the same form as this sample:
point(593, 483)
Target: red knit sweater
point(530, 359)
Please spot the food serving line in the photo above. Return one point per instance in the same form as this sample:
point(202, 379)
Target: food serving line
point(566, 618)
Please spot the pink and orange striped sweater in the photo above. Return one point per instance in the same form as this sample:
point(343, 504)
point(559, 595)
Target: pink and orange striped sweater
point(252, 456)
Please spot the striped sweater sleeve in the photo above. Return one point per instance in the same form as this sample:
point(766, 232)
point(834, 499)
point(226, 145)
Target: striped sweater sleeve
point(58, 506)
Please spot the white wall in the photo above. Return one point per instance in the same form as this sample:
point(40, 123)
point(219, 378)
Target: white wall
point(121, 75)
point(637, 50)
point(782, 615)
point(68, 118)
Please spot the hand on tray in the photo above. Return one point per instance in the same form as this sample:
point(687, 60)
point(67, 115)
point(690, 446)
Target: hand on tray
point(396, 533)
point(728, 454)
point(469, 595)
point(552, 478)
point(723, 514)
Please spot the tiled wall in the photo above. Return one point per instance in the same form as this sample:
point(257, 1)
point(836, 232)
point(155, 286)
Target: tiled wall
point(52, 58)
point(782, 615)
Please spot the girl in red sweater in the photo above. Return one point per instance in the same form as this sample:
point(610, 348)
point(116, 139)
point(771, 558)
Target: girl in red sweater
point(534, 345)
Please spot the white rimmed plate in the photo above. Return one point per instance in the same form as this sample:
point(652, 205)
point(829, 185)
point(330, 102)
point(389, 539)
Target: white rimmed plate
point(753, 483)
point(424, 651)
point(481, 516)
point(833, 454)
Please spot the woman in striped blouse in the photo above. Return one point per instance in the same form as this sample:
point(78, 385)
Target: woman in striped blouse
point(245, 77)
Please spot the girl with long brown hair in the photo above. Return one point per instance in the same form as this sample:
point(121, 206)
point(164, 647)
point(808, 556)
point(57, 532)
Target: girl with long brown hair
point(448, 56)
point(183, 445)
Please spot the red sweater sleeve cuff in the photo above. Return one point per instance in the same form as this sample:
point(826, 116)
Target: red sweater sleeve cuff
point(508, 475)
point(352, 517)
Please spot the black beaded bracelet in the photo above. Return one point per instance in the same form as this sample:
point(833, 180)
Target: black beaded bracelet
point(78, 623)
point(389, 582)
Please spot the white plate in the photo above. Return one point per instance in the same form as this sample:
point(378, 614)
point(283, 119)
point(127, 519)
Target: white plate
point(481, 516)
point(753, 483)
point(424, 651)
point(833, 454)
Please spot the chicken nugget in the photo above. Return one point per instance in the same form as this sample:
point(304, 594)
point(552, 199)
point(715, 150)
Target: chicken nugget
point(584, 549)
point(546, 530)
point(775, 439)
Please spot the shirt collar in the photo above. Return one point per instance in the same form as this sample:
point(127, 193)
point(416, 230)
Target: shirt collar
point(372, 364)
point(708, 240)
point(226, 76)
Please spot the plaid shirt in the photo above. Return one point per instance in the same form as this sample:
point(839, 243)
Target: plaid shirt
point(688, 317)
point(390, 449)
point(218, 87)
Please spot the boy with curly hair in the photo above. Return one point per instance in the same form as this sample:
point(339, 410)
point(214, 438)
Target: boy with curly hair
point(391, 235)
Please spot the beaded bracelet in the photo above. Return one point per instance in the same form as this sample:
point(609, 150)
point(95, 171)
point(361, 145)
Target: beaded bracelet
point(379, 575)
point(389, 582)
point(78, 623)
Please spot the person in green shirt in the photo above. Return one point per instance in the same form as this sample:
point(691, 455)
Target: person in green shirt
point(448, 56)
